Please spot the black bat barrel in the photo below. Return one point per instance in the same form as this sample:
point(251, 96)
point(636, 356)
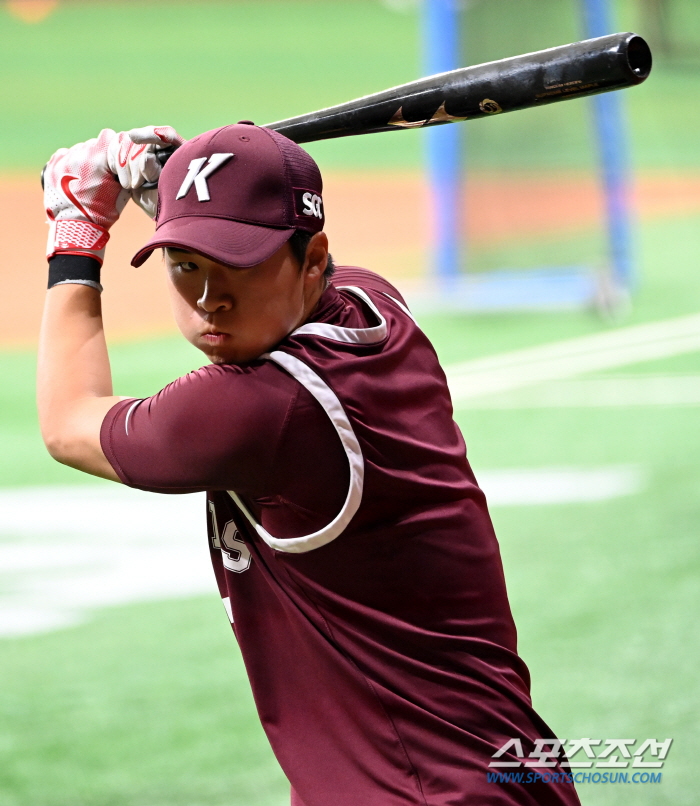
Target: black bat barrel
point(557, 74)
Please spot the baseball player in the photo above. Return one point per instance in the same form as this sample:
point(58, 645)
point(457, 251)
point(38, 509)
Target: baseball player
point(351, 545)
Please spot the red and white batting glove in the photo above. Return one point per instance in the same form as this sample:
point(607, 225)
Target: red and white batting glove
point(132, 158)
point(87, 186)
point(82, 198)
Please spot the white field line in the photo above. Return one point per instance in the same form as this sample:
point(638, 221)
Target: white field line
point(559, 485)
point(67, 551)
point(643, 390)
point(572, 357)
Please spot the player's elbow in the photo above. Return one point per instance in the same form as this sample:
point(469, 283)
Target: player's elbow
point(59, 447)
point(57, 431)
point(75, 441)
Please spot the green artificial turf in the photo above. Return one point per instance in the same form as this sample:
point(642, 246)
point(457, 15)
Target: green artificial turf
point(195, 66)
point(147, 705)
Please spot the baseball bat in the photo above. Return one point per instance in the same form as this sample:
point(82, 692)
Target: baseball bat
point(557, 74)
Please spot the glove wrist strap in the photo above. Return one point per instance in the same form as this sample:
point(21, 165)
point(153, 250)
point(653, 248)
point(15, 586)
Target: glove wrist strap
point(74, 269)
point(77, 237)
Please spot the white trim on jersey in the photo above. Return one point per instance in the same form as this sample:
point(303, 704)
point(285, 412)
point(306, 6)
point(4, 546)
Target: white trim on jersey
point(226, 600)
point(401, 305)
point(349, 335)
point(128, 414)
point(333, 408)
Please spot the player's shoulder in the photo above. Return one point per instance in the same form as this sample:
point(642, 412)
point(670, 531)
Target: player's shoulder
point(366, 279)
point(214, 388)
point(222, 375)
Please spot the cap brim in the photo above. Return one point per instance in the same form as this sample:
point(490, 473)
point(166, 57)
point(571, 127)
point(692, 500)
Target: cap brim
point(230, 242)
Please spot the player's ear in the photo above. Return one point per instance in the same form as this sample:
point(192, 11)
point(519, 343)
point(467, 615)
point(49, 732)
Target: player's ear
point(316, 258)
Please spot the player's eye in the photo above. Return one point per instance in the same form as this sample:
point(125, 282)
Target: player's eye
point(187, 266)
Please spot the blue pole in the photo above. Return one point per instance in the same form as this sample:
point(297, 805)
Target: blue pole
point(612, 145)
point(444, 158)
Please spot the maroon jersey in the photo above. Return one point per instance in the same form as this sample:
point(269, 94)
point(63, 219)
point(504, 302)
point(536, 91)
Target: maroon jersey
point(354, 554)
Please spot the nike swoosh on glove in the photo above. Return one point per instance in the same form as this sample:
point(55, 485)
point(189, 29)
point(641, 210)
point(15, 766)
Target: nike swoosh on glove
point(82, 197)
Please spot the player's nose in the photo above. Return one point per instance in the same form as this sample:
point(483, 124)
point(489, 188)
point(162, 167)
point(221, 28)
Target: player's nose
point(215, 296)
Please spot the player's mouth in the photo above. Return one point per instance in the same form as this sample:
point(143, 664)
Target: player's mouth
point(214, 337)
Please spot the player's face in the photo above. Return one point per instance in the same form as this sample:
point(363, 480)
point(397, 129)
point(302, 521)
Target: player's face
point(235, 315)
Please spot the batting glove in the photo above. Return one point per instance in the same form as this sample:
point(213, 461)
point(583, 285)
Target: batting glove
point(82, 199)
point(81, 195)
point(133, 159)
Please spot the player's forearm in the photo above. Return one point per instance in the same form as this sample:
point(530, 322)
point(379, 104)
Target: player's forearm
point(82, 202)
point(74, 380)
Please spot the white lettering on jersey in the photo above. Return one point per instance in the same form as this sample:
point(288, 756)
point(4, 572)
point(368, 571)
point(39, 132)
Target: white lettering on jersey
point(234, 552)
point(216, 540)
point(235, 555)
point(312, 205)
point(198, 177)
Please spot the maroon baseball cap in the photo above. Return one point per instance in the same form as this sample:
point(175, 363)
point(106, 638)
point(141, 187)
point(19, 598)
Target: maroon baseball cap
point(236, 195)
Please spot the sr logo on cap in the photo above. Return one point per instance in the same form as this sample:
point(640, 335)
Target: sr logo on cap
point(308, 203)
point(198, 177)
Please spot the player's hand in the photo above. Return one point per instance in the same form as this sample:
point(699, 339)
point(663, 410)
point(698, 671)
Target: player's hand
point(87, 186)
point(139, 164)
point(81, 198)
